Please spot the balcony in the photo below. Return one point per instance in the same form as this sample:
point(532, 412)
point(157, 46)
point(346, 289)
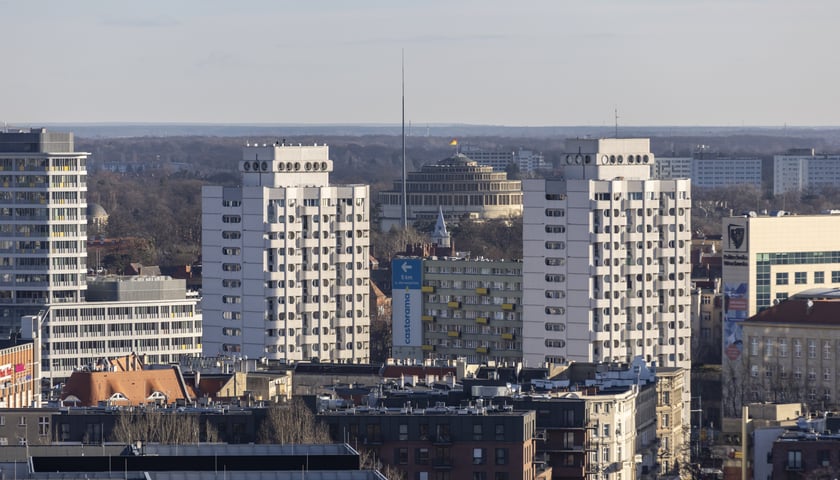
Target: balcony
point(507, 336)
point(442, 463)
point(428, 348)
point(481, 350)
point(453, 304)
point(508, 307)
point(482, 291)
point(427, 318)
point(453, 333)
point(442, 439)
point(427, 289)
point(481, 320)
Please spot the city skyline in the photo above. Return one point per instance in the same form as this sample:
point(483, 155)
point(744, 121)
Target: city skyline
point(490, 63)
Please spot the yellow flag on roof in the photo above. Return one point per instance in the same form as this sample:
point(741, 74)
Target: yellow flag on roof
point(453, 142)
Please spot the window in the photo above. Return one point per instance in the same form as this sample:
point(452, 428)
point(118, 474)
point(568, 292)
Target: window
point(401, 456)
point(666, 420)
point(781, 278)
point(478, 456)
point(477, 431)
point(22, 422)
point(421, 456)
point(500, 431)
point(783, 347)
point(826, 350)
point(43, 426)
point(605, 454)
point(501, 456)
point(666, 398)
point(479, 476)
point(835, 276)
point(403, 431)
point(606, 429)
point(797, 348)
point(800, 278)
point(819, 277)
point(501, 476)
point(753, 346)
point(794, 460)
point(812, 348)
point(768, 347)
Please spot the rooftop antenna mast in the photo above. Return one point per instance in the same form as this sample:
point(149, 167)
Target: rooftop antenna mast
point(404, 188)
point(616, 122)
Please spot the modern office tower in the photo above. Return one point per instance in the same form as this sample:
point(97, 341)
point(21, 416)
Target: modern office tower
point(766, 260)
point(803, 169)
point(607, 268)
point(459, 186)
point(285, 260)
point(42, 223)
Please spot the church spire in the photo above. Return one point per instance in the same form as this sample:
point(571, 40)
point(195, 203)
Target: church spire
point(440, 236)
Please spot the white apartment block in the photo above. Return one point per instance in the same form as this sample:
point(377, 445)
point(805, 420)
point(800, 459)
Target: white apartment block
point(606, 271)
point(709, 172)
point(43, 223)
point(528, 161)
point(286, 273)
point(720, 172)
point(800, 170)
point(670, 168)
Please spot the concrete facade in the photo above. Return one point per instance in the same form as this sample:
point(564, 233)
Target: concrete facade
point(286, 256)
point(607, 267)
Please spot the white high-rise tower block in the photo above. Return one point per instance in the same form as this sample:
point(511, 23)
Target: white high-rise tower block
point(607, 267)
point(286, 260)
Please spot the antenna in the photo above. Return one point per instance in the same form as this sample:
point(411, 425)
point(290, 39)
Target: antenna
point(404, 188)
point(616, 122)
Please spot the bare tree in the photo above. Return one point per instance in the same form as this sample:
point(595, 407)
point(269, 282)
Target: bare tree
point(161, 427)
point(369, 461)
point(292, 423)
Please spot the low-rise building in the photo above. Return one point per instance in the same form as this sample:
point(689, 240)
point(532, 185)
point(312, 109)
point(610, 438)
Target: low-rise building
point(443, 442)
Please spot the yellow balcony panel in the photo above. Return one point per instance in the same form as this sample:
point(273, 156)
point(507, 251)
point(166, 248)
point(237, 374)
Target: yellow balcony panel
point(427, 318)
point(508, 306)
point(507, 336)
point(481, 320)
point(481, 350)
point(427, 289)
point(454, 304)
point(428, 348)
point(453, 333)
point(481, 291)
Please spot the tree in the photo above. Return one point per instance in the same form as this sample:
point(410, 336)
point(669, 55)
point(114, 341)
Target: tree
point(292, 423)
point(160, 426)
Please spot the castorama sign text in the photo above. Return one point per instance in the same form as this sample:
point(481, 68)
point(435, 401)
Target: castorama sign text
point(407, 301)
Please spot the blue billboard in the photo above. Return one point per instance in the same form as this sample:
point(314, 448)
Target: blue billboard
point(407, 302)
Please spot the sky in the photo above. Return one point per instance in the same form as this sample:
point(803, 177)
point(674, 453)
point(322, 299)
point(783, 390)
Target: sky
point(484, 62)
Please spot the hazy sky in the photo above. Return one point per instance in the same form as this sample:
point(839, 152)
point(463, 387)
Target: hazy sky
point(553, 62)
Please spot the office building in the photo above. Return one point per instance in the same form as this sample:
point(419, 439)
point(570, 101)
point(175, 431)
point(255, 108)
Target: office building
point(155, 317)
point(671, 168)
point(43, 223)
point(459, 186)
point(285, 260)
point(607, 267)
point(799, 170)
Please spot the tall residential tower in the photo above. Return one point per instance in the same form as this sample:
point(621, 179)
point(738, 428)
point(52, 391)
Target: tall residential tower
point(607, 267)
point(285, 257)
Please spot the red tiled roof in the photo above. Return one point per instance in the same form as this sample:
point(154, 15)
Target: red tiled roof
point(820, 312)
point(94, 387)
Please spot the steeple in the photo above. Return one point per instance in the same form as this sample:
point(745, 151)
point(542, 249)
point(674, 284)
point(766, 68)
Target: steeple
point(440, 236)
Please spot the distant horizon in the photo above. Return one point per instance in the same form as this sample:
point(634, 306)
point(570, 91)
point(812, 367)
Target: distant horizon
point(727, 63)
